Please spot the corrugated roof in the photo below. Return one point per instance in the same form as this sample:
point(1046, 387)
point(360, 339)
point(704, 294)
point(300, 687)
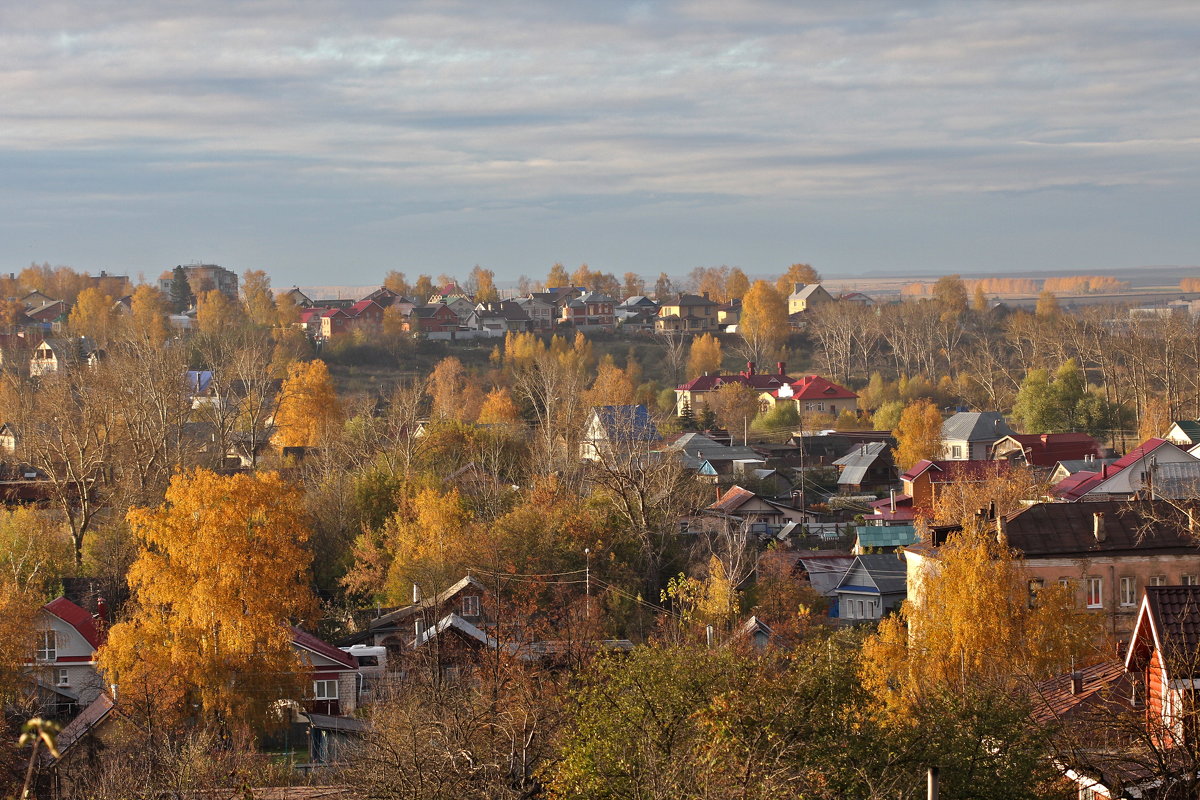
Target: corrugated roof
point(1190, 428)
point(1077, 489)
point(887, 535)
point(1054, 700)
point(852, 476)
point(732, 500)
point(862, 455)
point(976, 426)
point(1178, 481)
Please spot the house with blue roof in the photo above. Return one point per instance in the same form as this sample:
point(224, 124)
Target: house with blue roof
point(611, 428)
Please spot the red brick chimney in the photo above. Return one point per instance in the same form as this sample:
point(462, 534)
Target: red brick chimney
point(782, 366)
point(749, 369)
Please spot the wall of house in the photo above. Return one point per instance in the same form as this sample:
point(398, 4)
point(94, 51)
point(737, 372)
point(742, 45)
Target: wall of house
point(75, 655)
point(1173, 569)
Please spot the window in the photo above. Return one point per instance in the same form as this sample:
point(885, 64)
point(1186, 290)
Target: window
point(1189, 580)
point(862, 613)
point(325, 690)
point(956, 451)
point(1128, 591)
point(61, 677)
point(470, 607)
point(1158, 580)
point(47, 646)
point(1035, 586)
point(1095, 593)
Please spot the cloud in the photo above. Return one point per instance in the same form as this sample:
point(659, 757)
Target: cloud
point(465, 108)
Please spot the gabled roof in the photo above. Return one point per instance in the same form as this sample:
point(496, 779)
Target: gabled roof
point(454, 622)
point(814, 387)
point(76, 617)
point(639, 301)
point(392, 617)
point(303, 639)
point(824, 572)
point(1190, 428)
point(1077, 465)
point(1168, 621)
point(804, 292)
point(1177, 481)
point(886, 570)
point(956, 471)
point(863, 455)
point(1047, 449)
point(1077, 489)
point(690, 300)
point(1055, 530)
point(363, 305)
point(1054, 699)
point(696, 449)
point(92, 716)
point(199, 380)
point(733, 499)
point(976, 426)
point(628, 423)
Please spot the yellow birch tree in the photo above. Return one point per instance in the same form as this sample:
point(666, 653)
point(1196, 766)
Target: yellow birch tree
point(705, 355)
point(918, 435)
point(222, 571)
point(309, 406)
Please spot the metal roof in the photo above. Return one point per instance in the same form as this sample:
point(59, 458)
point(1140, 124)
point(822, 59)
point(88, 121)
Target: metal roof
point(976, 426)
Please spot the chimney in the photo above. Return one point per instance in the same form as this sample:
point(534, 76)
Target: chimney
point(749, 369)
point(706, 295)
point(718, 494)
point(1001, 530)
point(782, 366)
point(416, 594)
point(1098, 527)
point(893, 495)
point(1077, 682)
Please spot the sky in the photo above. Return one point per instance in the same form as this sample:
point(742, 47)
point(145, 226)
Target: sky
point(331, 142)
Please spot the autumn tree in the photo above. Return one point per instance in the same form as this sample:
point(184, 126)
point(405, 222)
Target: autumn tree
point(483, 283)
point(736, 284)
point(499, 409)
point(216, 313)
point(735, 405)
point(972, 621)
point(612, 386)
point(222, 572)
point(918, 434)
point(802, 274)
point(1047, 305)
point(17, 606)
point(93, 316)
point(558, 277)
point(148, 311)
point(423, 288)
point(663, 288)
point(705, 355)
point(632, 285)
point(447, 387)
point(308, 408)
point(951, 294)
point(257, 299)
point(764, 321)
point(396, 281)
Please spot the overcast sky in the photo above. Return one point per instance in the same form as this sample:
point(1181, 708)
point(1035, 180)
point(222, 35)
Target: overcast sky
point(329, 142)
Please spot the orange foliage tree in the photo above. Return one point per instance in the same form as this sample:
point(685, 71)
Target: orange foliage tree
point(222, 571)
point(764, 322)
point(918, 435)
point(796, 273)
point(308, 406)
point(705, 355)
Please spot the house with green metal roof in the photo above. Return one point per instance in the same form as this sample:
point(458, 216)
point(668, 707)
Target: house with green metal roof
point(1184, 432)
point(884, 538)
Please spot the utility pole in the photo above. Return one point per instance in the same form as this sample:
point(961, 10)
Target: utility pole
point(933, 779)
point(587, 579)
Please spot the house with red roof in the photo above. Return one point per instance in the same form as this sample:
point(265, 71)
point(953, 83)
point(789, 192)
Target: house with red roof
point(66, 638)
point(811, 394)
point(1045, 449)
point(366, 312)
point(922, 483)
point(334, 675)
point(1123, 478)
point(692, 393)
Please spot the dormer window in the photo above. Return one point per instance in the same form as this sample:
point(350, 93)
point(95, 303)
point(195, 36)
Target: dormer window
point(470, 606)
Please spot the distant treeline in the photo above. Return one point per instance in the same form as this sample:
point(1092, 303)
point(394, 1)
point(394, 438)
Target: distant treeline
point(1075, 284)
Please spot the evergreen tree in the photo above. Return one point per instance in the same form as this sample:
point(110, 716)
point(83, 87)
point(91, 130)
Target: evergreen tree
point(181, 291)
